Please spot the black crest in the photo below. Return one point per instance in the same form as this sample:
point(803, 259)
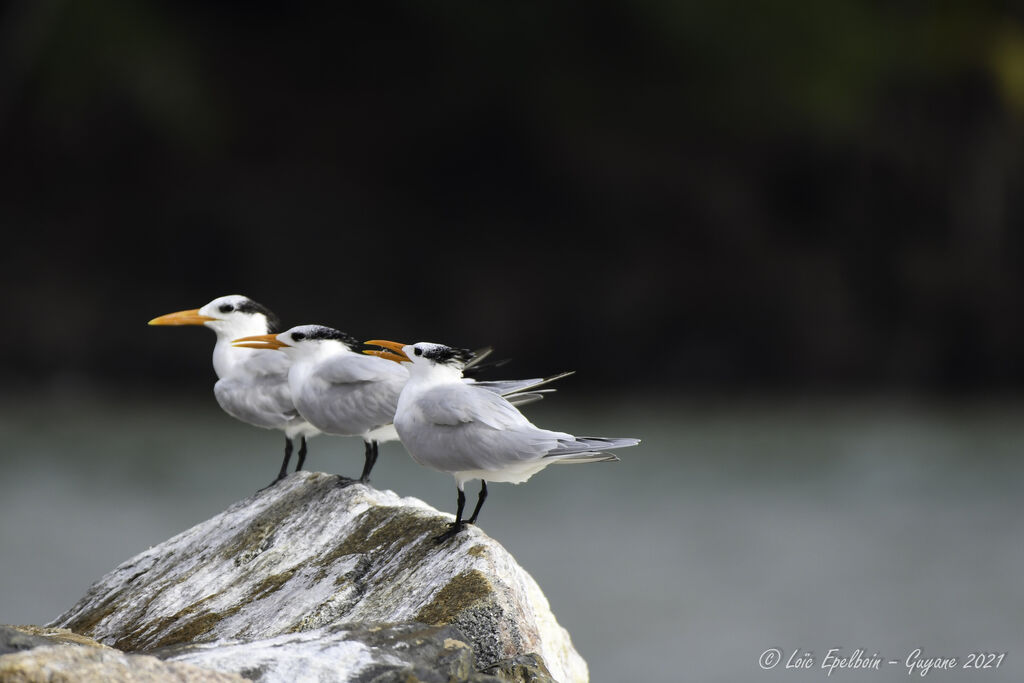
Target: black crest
point(322, 332)
point(448, 355)
point(250, 306)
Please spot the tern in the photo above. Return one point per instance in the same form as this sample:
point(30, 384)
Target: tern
point(252, 386)
point(472, 433)
point(343, 392)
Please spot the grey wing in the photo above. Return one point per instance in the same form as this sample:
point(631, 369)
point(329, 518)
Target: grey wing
point(358, 393)
point(267, 363)
point(459, 427)
point(451, 404)
point(263, 402)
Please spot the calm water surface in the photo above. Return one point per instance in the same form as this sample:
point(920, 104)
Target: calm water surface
point(734, 528)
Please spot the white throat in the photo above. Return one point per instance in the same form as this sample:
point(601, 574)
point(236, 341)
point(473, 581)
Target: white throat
point(226, 358)
point(430, 374)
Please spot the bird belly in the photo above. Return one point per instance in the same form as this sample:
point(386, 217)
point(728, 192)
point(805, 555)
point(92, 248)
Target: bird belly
point(509, 475)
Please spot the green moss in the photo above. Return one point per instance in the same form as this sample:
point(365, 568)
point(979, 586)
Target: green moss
point(61, 636)
point(250, 541)
point(189, 631)
point(85, 623)
point(528, 667)
point(386, 532)
point(138, 639)
point(461, 593)
point(271, 584)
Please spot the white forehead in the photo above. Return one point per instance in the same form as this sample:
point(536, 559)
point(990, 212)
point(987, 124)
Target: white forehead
point(238, 307)
point(234, 300)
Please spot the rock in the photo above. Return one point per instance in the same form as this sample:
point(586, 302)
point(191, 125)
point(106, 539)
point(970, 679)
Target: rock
point(16, 638)
point(411, 652)
point(308, 556)
point(54, 655)
point(526, 668)
point(83, 664)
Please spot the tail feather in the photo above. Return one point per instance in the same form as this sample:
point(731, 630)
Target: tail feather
point(574, 458)
point(476, 364)
point(590, 444)
point(479, 355)
point(508, 387)
point(527, 397)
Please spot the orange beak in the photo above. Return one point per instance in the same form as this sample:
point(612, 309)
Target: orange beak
point(398, 356)
point(259, 341)
point(189, 317)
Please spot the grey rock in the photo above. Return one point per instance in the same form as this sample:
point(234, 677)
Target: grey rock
point(308, 556)
point(363, 654)
point(523, 668)
point(82, 664)
point(17, 640)
point(21, 638)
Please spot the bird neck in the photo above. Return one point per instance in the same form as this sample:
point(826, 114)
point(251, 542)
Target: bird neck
point(314, 353)
point(432, 375)
point(228, 358)
point(329, 348)
point(305, 363)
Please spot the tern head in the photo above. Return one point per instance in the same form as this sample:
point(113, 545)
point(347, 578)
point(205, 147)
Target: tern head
point(303, 340)
point(423, 354)
point(233, 315)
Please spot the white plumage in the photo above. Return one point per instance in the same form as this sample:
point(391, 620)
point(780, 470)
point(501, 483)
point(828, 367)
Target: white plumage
point(472, 433)
point(252, 384)
point(337, 390)
point(346, 393)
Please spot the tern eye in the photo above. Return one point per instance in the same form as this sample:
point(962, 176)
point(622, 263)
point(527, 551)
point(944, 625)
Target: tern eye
point(418, 352)
point(226, 308)
point(298, 336)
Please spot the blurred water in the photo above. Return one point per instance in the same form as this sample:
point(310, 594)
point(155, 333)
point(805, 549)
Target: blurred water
point(732, 529)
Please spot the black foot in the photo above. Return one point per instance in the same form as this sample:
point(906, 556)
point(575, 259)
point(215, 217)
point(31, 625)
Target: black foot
point(279, 478)
point(453, 529)
point(344, 482)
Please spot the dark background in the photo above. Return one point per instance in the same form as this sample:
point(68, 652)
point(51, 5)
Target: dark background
point(779, 241)
point(684, 197)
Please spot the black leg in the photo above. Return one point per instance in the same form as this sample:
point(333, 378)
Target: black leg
point(479, 502)
point(371, 458)
point(461, 505)
point(302, 453)
point(456, 526)
point(284, 465)
point(287, 456)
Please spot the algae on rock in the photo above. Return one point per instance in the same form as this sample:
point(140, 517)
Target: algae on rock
point(30, 654)
point(307, 555)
